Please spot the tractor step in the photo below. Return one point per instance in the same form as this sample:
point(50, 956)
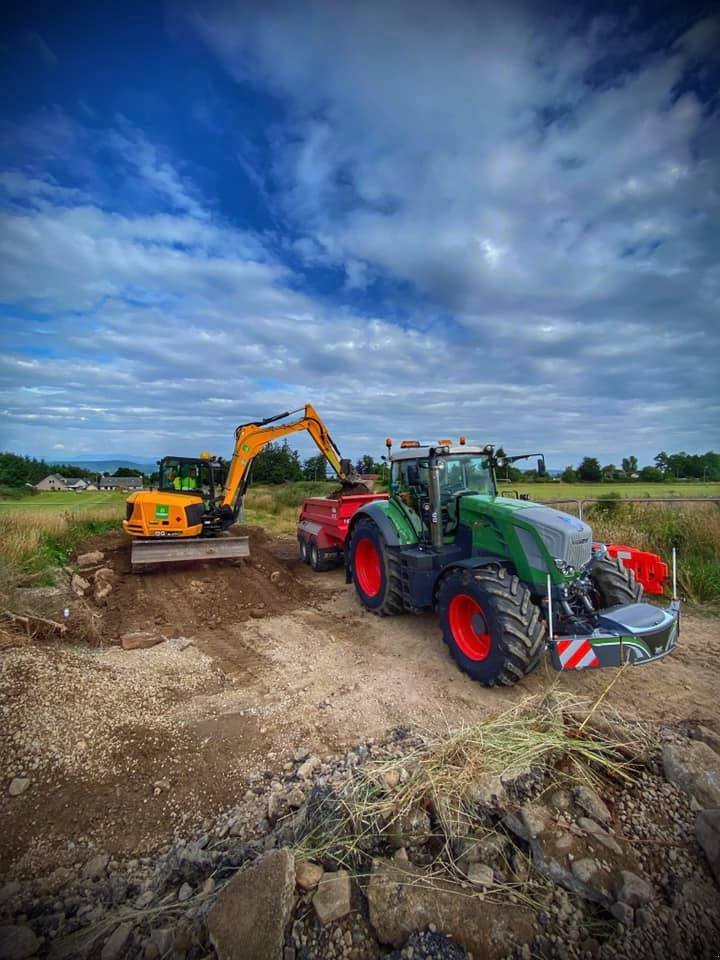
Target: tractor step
point(145, 553)
point(636, 633)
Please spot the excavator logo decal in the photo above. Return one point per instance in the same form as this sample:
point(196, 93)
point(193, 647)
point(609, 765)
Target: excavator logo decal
point(162, 511)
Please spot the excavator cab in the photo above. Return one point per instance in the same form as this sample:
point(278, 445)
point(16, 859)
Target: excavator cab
point(202, 476)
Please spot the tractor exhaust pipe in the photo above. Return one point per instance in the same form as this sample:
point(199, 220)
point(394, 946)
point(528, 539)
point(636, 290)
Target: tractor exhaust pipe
point(435, 505)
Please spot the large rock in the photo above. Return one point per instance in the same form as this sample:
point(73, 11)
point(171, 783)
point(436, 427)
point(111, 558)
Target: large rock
point(90, 558)
point(632, 889)
point(596, 831)
point(17, 942)
point(308, 875)
point(79, 585)
point(18, 785)
point(694, 767)
point(402, 899)
point(707, 831)
point(591, 803)
point(96, 867)
point(115, 947)
point(332, 898)
point(249, 918)
point(139, 640)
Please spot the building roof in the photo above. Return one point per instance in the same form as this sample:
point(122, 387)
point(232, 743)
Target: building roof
point(121, 481)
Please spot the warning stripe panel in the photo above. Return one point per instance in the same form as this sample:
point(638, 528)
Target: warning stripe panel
point(576, 653)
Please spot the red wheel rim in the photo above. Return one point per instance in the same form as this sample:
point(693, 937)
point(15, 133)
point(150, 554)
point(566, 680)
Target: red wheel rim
point(368, 570)
point(469, 627)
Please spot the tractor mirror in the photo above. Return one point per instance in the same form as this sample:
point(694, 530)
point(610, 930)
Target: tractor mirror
point(541, 467)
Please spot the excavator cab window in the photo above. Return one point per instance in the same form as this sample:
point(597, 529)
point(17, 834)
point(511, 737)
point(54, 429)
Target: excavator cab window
point(182, 475)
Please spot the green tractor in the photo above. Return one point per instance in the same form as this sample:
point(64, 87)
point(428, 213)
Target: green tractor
point(508, 578)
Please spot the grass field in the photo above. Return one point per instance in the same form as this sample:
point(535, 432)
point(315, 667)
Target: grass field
point(584, 491)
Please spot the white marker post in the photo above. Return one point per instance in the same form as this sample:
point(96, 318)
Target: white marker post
point(551, 632)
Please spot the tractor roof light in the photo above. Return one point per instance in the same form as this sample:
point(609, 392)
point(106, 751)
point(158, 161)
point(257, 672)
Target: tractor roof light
point(388, 442)
point(462, 441)
point(444, 443)
point(406, 444)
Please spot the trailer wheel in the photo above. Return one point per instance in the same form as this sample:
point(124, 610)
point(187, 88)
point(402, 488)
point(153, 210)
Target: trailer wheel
point(614, 582)
point(492, 628)
point(304, 552)
point(375, 570)
point(316, 560)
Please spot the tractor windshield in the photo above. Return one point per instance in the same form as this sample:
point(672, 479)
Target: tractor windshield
point(464, 473)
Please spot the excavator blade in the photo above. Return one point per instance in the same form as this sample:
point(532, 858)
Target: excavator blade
point(145, 553)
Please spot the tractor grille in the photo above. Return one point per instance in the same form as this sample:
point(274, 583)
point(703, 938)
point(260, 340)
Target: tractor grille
point(579, 551)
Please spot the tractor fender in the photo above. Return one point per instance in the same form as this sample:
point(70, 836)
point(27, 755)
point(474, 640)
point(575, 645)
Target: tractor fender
point(470, 563)
point(375, 512)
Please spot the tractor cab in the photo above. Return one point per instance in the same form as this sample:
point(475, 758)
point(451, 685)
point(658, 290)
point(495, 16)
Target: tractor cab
point(454, 472)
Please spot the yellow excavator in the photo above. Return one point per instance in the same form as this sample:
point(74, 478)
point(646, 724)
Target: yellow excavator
point(198, 499)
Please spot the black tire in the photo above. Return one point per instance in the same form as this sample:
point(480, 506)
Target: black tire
point(512, 641)
point(303, 548)
point(614, 583)
point(315, 558)
point(380, 590)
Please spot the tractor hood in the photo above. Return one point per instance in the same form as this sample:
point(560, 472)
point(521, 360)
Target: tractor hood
point(564, 536)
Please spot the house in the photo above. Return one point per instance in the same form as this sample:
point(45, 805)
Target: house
point(120, 483)
point(52, 482)
point(76, 484)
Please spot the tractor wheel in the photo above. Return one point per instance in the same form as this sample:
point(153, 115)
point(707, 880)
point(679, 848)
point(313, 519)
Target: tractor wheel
point(614, 582)
point(304, 551)
point(493, 629)
point(316, 560)
point(375, 570)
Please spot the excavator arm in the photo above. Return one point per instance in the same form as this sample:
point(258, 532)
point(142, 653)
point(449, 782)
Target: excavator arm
point(250, 438)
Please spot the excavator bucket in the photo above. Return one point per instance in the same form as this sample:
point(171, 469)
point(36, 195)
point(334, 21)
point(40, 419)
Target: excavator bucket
point(151, 552)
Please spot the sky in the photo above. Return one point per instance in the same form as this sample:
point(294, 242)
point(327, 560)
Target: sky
point(427, 219)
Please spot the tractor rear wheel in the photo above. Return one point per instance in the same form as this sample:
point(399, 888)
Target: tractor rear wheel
point(492, 628)
point(614, 582)
point(375, 570)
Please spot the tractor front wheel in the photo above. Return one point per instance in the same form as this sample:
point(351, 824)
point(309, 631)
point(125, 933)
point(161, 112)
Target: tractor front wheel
point(492, 628)
point(375, 570)
point(614, 582)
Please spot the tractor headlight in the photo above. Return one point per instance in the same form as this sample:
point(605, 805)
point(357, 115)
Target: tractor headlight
point(563, 567)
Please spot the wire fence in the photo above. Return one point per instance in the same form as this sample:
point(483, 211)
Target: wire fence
point(580, 505)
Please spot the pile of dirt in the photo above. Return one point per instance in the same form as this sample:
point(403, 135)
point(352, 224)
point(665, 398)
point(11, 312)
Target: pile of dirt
point(350, 490)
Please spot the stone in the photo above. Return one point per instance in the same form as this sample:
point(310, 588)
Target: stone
point(295, 798)
point(391, 778)
point(275, 576)
point(114, 947)
point(106, 574)
point(302, 753)
point(533, 819)
point(400, 903)
point(590, 801)
point(597, 832)
point(631, 889)
point(103, 589)
point(623, 913)
point(152, 952)
point(694, 767)
point(308, 875)
point(185, 892)
point(332, 897)
point(139, 640)
point(412, 828)
point(306, 769)
point(164, 939)
point(10, 889)
point(248, 920)
point(79, 585)
point(209, 886)
point(707, 736)
point(18, 785)
point(480, 874)
point(17, 942)
point(584, 869)
point(707, 831)
point(489, 791)
point(95, 868)
point(90, 558)
point(144, 900)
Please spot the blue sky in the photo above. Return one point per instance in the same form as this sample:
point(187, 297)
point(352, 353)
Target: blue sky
point(427, 219)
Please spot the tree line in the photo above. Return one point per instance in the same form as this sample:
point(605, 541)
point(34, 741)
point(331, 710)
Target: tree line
point(17, 471)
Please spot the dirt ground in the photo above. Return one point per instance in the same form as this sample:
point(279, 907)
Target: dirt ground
point(128, 750)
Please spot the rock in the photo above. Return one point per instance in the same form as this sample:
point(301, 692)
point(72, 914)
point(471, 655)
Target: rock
point(95, 868)
point(90, 558)
point(707, 736)
point(106, 574)
point(584, 869)
point(139, 640)
point(308, 875)
point(18, 785)
point(302, 753)
point(164, 939)
point(103, 589)
point(707, 831)
point(400, 903)
point(152, 952)
point(631, 889)
point(694, 767)
point(623, 913)
point(533, 819)
point(589, 800)
point(17, 942)
point(480, 874)
point(249, 917)
point(79, 585)
point(10, 889)
point(275, 576)
point(144, 900)
point(209, 886)
point(602, 836)
point(489, 791)
point(561, 800)
point(185, 892)
point(295, 798)
point(391, 778)
point(114, 947)
point(332, 897)
point(306, 769)
point(412, 828)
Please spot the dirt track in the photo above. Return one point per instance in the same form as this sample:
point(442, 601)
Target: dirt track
point(125, 750)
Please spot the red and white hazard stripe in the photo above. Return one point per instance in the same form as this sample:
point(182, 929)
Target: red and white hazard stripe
point(576, 653)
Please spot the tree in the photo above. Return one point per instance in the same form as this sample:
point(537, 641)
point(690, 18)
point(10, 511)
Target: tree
point(651, 475)
point(277, 463)
point(589, 470)
point(315, 468)
point(127, 472)
point(568, 475)
point(630, 466)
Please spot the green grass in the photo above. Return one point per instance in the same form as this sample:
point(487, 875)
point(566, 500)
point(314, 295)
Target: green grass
point(582, 491)
point(55, 504)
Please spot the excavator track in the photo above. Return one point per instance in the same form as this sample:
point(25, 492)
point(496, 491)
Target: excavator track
point(154, 551)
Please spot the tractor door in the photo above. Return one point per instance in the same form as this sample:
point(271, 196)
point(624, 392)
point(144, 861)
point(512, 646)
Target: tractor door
point(409, 483)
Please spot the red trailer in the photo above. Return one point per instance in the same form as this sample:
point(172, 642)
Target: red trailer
point(323, 524)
